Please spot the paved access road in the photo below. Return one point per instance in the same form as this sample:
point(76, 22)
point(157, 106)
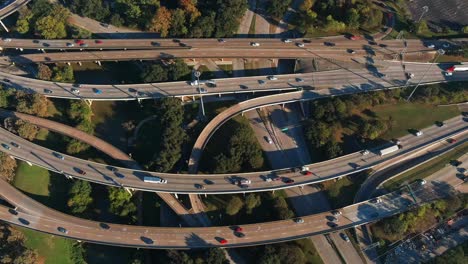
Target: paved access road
point(11, 6)
point(217, 183)
point(342, 81)
point(33, 215)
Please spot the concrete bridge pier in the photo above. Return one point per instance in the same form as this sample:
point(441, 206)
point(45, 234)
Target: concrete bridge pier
point(176, 196)
point(79, 63)
point(89, 102)
point(68, 63)
point(68, 177)
point(4, 27)
point(13, 158)
point(98, 63)
point(29, 163)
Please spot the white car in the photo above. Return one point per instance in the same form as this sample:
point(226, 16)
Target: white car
point(6, 39)
point(75, 91)
point(287, 40)
point(365, 152)
point(272, 78)
point(300, 45)
point(431, 46)
point(254, 44)
point(194, 83)
point(418, 133)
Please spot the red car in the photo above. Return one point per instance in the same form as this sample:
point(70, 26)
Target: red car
point(223, 241)
point(239, 229)
point(451, 140)
point(308, 173)
point(98, 41)
point(353, 37)
point(79, 41)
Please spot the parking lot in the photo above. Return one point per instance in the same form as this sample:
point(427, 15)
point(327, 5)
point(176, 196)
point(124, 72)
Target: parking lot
point(441, 13)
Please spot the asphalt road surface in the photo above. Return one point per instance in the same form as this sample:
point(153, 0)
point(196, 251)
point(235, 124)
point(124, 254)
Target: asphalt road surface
point(33, 215)
point(339, 81)
point(11, 6)
point(217, 183)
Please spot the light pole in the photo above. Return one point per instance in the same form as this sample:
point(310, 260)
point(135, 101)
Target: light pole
point(439, 52)
point(425, 9)
point(197, 74)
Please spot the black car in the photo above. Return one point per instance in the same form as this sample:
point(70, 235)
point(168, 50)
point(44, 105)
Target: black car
point(239, 234)
point(329, 44)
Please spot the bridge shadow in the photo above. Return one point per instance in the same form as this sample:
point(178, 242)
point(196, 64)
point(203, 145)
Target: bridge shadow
point(195, 241)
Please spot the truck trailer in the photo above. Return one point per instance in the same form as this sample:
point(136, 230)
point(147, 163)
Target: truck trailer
point(388, 150)
point(456, 68)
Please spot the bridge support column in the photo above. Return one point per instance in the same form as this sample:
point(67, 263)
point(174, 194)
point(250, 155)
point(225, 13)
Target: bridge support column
point(193, 98)
point(176, 196)
point(68, 63)
point(89, 102)
point(13, 158)
point(4, 27)
point(21, 49)
point(29, 163)
point(128, 190)
point(206, 195)
point(68, 177)
point(79, 63)
point(98, 63)
point(219, 95)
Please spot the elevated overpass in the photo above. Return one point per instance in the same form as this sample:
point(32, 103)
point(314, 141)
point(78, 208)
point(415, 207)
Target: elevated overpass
point(220, 183)
point(11, 7)
point(384, 75)
point(33, 215)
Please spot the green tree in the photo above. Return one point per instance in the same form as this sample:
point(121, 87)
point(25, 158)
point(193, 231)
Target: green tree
point(178, 70)
point(154, 73)
point(121, 203)
point(44, 72)
point(178, 27)
point(8, 167)
point(63, 74)
point(34, 104)
point(277, 8)
point(76, 146)
point(332, 149)
point(252, 201)
point(352, 18)
point(269, 256)
point(204, 26)
point(422, 27)
point(50, 27)
point(80, 197)
point(4, 94)
point(291, 253)
point(178, 256)
point(234, 205)
point(281, 207)
point(26, 130)
point(215, 256)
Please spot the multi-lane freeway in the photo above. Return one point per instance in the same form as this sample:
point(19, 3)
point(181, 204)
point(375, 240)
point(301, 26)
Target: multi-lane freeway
point(219, 183)
point(383, 75)
point(341, 43)
point(33, 215)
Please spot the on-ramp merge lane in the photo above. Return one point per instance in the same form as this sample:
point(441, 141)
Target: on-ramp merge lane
point(217, 183)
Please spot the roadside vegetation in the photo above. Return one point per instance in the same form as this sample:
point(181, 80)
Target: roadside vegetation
point(331, 17)
point(182, 18)
point(427, 168)
point(419, 219)
point(344, 125)
point(456, 255)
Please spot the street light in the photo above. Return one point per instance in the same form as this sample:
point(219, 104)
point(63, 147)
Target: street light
point(439, 52)
point(425, 9)
point(197, 74)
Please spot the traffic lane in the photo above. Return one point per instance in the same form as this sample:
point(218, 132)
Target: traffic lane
point(154, 43)
point(12, 7)
point(176, 183)
point(340, 79)
point(200, 237)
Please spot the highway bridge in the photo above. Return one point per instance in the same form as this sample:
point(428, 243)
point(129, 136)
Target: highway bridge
point(382, 75)
point(11, 6)
point(220, 183)
point(33, 215)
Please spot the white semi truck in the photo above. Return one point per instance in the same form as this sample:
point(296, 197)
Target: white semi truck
point(456, 68)
point(388, 150)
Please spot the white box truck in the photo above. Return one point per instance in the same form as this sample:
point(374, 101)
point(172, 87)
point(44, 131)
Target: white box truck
point(388, 150)
point(456, 68)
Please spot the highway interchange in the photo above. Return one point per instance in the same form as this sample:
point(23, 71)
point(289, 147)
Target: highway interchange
point(34, 215)
point(218, 183)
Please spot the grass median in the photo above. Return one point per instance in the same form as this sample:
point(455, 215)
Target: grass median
point(427, 168)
